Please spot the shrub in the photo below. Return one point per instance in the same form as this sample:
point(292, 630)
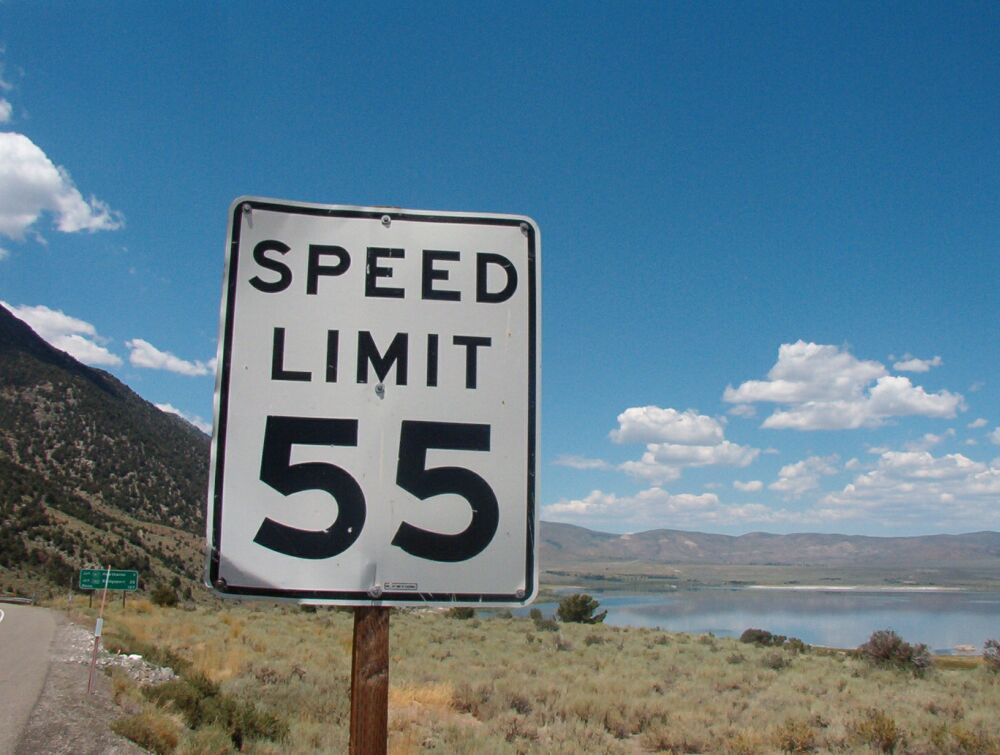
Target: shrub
point(579, 609)
point(460, 612)
point(150, 729)
point(795, 735)
point(164, 595)
point(776, 660)
point(877, 729)
point(202, 703)
point(991, 655)
point(762, 637)
point(541, 623)
point(887, 649)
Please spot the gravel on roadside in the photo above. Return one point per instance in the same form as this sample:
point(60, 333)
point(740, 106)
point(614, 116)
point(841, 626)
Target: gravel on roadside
point(66, 720)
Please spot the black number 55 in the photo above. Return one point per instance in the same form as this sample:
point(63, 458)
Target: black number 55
point(412, 475)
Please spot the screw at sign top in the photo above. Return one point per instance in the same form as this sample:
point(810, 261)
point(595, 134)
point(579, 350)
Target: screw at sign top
point(386, 220)
point(247, 208)
point(524, 228)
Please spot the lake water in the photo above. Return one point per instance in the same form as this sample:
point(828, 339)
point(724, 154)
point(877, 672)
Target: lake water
point(844, 619)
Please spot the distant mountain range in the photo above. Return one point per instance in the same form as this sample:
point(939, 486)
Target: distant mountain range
point(566, 544)
point(91, 474)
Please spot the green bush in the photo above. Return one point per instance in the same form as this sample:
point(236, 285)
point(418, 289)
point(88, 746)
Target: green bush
point(202, 703)
point(762, 638)
point(150, 730)
point(579, 609)
point(887, 649)
point(164, 595)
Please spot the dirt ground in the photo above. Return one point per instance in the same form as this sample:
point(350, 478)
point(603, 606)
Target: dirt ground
point(66, 719)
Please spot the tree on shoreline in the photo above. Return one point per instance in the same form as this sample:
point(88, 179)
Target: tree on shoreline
point(579, 609)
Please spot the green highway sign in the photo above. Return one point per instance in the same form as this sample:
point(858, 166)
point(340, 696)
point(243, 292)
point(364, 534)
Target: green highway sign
point(118, 579)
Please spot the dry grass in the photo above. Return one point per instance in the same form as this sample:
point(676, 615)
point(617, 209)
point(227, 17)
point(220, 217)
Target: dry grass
point(500, 685)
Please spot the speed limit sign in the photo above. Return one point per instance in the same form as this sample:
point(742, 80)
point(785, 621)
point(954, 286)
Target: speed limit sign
point(376, 427)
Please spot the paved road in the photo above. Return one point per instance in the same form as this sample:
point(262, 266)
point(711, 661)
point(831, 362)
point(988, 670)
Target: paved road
point(26, 634)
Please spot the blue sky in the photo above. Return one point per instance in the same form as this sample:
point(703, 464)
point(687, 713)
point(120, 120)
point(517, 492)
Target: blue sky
point(769, 231)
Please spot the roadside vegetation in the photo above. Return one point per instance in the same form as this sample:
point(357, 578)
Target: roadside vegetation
point(275, 679)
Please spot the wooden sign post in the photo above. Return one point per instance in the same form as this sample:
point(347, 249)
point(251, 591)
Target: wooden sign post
point(370, 681)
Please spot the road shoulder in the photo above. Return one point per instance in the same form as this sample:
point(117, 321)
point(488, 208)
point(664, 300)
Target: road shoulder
point(66, 719)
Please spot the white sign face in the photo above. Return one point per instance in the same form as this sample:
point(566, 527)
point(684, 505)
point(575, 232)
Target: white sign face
point(375, 407)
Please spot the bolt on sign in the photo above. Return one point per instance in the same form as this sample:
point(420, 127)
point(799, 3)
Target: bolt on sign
point(375, 431)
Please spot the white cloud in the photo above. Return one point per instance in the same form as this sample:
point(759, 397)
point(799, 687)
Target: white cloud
point(651, 471)
point(580, 462)
point(144, 354)
point(751, 486)
point(4, 254)
point(656, 507)
point(743, 410)
point(794, 480)
point(995, 436)
point(929, 440)
point(194, 419)
point(826, 388)
point(6, 110)
point(947, 491)
point(663, 462)
point(30, 184)
point(76, 337)
point(807, 372)
point(912, 364)
point(977, 423)
point(651, 424)
point(726, 453)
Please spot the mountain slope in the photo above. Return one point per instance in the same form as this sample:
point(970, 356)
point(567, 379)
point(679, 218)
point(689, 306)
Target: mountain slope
point(567, 544)
point(88, 469)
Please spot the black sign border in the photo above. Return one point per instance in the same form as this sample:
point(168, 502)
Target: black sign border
point(346, 597)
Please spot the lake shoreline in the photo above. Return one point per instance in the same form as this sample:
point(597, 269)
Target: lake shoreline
point(862, 588)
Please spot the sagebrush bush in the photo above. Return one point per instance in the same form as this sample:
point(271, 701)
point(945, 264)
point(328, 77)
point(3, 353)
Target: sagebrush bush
point(776, 660)
point(991, 655)
point(876, 728)
point(762, 637)
point(151, 730)
point(795, 735)
point(887, 649)
point(202, 703)
point(164, 595)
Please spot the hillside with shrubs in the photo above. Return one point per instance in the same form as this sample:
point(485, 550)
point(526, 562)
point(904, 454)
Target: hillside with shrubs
point(90, 473)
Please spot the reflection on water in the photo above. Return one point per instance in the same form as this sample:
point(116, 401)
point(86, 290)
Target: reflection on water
point(836, 619)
